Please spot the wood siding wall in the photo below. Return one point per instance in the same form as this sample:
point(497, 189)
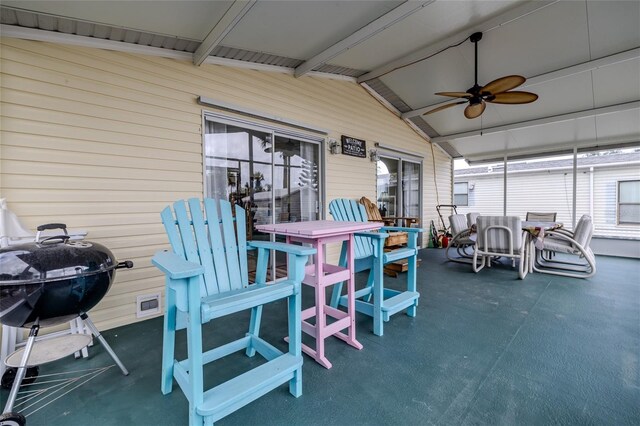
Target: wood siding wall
point(104, 140)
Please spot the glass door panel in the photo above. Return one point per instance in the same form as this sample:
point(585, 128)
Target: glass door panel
point(238, 169)
point(410, 189)
point(295, 185)
point(398, 188)
point(387, 186)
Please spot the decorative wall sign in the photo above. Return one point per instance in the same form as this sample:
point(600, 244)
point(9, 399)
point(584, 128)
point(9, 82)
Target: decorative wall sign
point(354, 147)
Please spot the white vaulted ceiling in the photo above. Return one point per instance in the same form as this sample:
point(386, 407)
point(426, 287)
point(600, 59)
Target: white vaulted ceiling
point(581, 57)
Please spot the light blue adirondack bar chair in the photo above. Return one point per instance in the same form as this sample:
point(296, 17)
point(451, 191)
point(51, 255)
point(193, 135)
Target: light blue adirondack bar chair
point(370, 255)
point(207, 278)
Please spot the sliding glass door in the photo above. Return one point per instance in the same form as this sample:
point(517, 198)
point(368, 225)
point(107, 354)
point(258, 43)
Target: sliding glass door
point(275, 177)
point(399, 187)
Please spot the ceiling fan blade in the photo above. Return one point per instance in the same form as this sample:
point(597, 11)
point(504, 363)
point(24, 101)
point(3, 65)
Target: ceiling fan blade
point(475, 110)
point(441, 107)
point(455, 94)
point(515, 97)
point(503, 84)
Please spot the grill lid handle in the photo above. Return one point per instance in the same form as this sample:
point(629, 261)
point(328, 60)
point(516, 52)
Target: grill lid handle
point(126, 264)
point(46, 226)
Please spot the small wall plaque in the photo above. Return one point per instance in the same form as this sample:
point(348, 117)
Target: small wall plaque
point(354, 147)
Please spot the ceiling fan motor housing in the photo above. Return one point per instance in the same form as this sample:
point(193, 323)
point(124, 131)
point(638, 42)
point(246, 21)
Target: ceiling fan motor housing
point(475, 37)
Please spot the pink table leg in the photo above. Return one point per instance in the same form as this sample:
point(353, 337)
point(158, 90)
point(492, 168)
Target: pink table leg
point(321, 279)
point(321, 319)
point(350, 337)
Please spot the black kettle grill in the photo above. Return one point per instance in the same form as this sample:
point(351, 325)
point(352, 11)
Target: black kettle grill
point(48, 282)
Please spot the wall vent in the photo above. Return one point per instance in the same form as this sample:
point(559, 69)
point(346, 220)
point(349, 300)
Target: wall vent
point(147, 305)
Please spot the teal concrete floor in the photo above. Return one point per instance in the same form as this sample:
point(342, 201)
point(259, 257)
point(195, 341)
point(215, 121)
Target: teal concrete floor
point(485, 348)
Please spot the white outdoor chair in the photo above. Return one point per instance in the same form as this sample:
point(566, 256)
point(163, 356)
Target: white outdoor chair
point(541, 217)
point(574, 243)
point(471, 219)
point(461, 242)
point(500, 236)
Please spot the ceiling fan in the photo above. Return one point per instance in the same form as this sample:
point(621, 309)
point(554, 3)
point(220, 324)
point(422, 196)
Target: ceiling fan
point(497, 92)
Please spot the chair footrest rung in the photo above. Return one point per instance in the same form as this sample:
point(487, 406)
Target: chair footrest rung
point(239, 391)
point(400, 301)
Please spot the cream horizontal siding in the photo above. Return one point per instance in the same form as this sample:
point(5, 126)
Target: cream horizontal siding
point(104, 140)
point(552, 191)
point(486, 197)
point(605, 207)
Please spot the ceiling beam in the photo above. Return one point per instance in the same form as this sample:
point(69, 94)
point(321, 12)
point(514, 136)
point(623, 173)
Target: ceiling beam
point(25, 33)
point(627, 55)
point(540, 121)
point(510, 15)
point(232, 16)
point(385, 21)
point(584, 145)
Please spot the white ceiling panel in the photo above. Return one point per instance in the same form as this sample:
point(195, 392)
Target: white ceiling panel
point(549, 39)
point(548, 137)
point(617, 83)
point(183, 19)
point(614, 26)
point(416, 85)
point(433, 23)
point(612, 128)
point(622, 125)
point(301, 29)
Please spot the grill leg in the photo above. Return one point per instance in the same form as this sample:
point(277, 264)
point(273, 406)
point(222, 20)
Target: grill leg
point(22, 370)
point(96, 333)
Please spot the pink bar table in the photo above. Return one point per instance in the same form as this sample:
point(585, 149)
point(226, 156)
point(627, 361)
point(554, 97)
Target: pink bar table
point(321, 275)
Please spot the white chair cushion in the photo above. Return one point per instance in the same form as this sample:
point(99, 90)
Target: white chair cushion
point(497, 240)
point(458, 223)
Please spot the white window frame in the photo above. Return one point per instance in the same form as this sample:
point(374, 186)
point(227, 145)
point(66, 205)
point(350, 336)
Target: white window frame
point(619, 203)
point(461, 193)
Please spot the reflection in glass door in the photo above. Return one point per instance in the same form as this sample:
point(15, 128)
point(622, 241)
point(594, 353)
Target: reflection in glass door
point(273, 182)
point(398, 188)
point(387, 177)
point(295, 186)
point(410, 189)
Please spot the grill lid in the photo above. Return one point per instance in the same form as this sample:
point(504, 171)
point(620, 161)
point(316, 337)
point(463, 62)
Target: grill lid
point(52, 259)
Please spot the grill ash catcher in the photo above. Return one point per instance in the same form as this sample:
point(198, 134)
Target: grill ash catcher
point(48, 282)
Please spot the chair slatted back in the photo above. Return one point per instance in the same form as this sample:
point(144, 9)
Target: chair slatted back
point(346, 210)
point(209, 238)
point(373, 213)
point(458, 223)
point(497, 240)
point(541, 217)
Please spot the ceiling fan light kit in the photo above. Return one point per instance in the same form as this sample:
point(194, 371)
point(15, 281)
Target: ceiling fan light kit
point(497, 91)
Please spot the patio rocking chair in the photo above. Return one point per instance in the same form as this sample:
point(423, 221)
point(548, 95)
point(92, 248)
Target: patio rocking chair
point(207, 278)
point(370, 255)
point(500, 236)
point(570, 243)
point(461, 242)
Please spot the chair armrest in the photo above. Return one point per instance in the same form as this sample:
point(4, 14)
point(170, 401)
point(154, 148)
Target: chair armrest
point(407, 218)
point(369, 234)
point(401, 229)
point(560, 236)
point(283, 247)
point(176, 267)
point(297, 257)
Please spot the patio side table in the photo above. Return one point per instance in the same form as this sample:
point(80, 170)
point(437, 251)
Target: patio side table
point(320, 275)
